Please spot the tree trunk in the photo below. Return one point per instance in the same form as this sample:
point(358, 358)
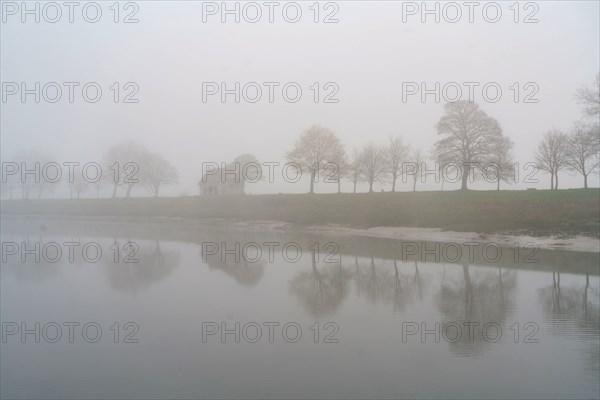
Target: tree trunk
point(115, 190)
point(339, 186)
point(129, 187)
point(394, 182)
point(556, 182)
point(552, 180)
point(468, 291)
point(370, 186)
point(498, 185)
point(418, 279)
point(156, 191)
point(354, 187)
point(465, 177)
point(312, 181)
point(585, 186)
point(415, 184)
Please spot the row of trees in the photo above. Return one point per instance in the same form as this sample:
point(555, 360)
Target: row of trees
point(578, 150)
point(470, 141)
point(126, 165)
point(468, 138)
point(320, 150)
point(151, 170)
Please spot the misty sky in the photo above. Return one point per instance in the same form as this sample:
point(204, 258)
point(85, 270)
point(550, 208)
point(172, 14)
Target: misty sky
point(369, 53)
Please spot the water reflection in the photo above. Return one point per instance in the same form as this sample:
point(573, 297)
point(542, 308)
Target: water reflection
point(572, 311)
point(244, 272)
point(322, 289)
point(31, 271)
point(173, 287)
point(378, 281)
point(482, 296)
point(152, 264)
point(574, 304)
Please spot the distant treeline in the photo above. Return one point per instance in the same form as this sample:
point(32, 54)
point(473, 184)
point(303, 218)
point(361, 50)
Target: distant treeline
point(471, 145)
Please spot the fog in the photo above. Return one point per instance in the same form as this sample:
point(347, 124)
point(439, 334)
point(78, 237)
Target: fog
point(136, 231)
point(368, 54)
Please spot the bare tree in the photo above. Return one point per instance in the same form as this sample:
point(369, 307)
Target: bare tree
point(468, 137)
point(9, 179)
point(43, 184)
point(551, 155)
point(415, 166)
point(440, 166)
point(589, 98)
point(26, 159)
point(316, 147)
point(7, 186)
point(156, 171)
point(337, 170)
point(78, 185)
point(584, 149)
point(98, 186)
point(374, 166)
point(123, 161)
point(33, 181)
point(395, 153)
point(355, 169)
point(500, 166)
point(105, 180)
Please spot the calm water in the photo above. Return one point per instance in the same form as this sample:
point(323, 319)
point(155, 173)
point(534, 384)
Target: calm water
point(361, 300)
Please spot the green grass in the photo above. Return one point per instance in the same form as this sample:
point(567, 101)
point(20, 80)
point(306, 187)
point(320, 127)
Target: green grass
point(539, 212)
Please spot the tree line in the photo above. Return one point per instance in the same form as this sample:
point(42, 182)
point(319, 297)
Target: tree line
point(126, 165)
point(471, 143)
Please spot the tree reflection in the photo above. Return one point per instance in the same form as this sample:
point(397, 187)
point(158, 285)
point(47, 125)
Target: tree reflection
point(154, 264)
point(379, 283)
point(481, 296)
point(576, 304)
point(244, 272)
point(574, 312)
point(322, 289)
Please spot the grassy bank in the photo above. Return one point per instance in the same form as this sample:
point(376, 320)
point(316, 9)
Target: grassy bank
point(538, 212)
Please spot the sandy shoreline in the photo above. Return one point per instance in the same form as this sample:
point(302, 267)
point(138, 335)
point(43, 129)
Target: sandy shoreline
point(573, 243)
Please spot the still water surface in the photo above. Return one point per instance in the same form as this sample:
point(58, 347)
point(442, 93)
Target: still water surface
point(345, 320)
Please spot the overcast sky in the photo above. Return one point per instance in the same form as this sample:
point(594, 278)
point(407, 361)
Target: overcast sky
point(368, 54)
